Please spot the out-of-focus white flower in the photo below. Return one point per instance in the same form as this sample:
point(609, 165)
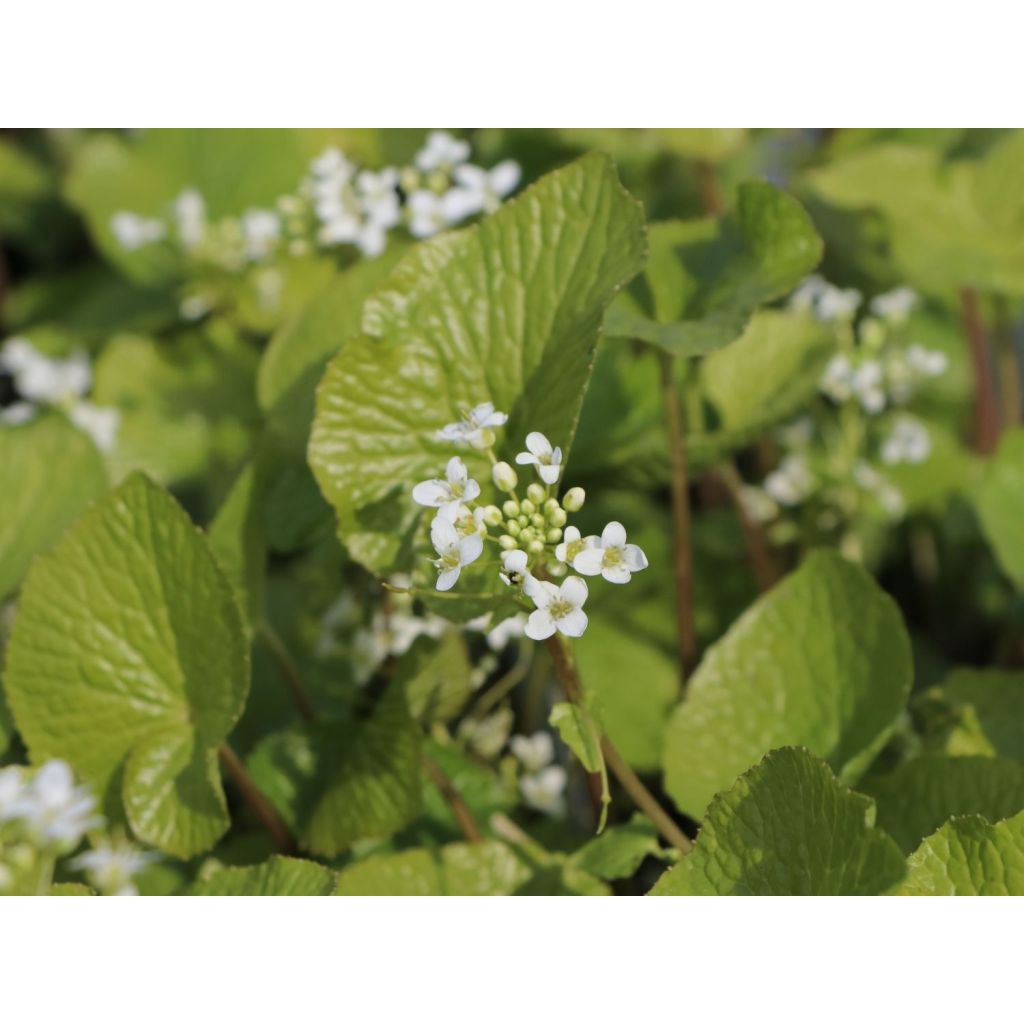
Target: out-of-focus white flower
point(533, 752)
point(17, 413)
point(133, 232)
point(54, 811)
point(791, 482)
point(837, 378)
point(927, 362)
point(379, 196)
point(758, 505)
point(908, 441)
point(111, 866)
point(430, 213)
point(486, 189)
point(190, 216)
point(194, 307)
point(825, 301)
point(455, 489)
point(455, 552)
point(441, 152)
point(331, 164)
point(545, 790)
point(798, 434)
point(869, 479)
point(895, 306)
point(548, 460)
point(508, 629)
point(867, 386)
point(41, 379)
point(261, 230)
point(12, 782)
point(100, 423)
point(476, 428)
point(558, 608)
point(611, 557)
point(487, 736)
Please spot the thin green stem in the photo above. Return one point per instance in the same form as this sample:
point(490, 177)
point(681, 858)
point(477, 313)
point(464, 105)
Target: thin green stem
point(460, 810)
point(263, 809)
point(288, 669)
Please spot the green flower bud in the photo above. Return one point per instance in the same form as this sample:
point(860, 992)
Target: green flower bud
point(535, 547)
point(554, 535)
point(507, 542)
point(511, 508)
point(556, 568)
point(558, 517)
point(485, 440)
point(527, 507)
point(551, 506)
point(572, 500)
point(523, 520)
point(512, 527)
point(536, 493)
point(504, 477)
point(526, 534)
point(538, 521)
point(492, 515)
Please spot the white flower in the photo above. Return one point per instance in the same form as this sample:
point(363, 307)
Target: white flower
point(815, 295)
point(870, 480)
point(797, 434)
point(837, 379)
point(261, 230)
point(430, 213)
point(454, 551)
point(41, 379)
point(867, 386)
point(791, 482)
point(572, 544)
point(508, 629)
point(99, 423)
point(471, 429)
point(54, 810)
point(488, 735)
point(758, 505)
point(379, 197)
point(558, 608)
point(533, 752)
point(442, 151)
point(331, 163)
point(111, 865)
point(454, 490)
point(611, 557)
point(133, 232)
point(12, 783)
point(548, 460)
point(16, 414)
point(545, 791)
point(190, 214)
point(514, 565)
point(895, 306)
point(908, 441)
point(486, 189)
point(927, 362)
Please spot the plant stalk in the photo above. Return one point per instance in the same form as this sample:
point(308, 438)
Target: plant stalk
point(289, 672)
point(258, 803)
point(986, 403)
point(762, 559)
point(463, 815)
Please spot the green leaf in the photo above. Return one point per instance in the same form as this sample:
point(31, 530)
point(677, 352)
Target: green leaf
point(712, 144)
point(129, 661)
point(969, 857)
point(489, 868)
point(507, 311)
point(634, 687)
point(919, 795)
point(49, 473)
point(581, 733)
point(705, 278)
point(436, 677)
point(279, 876)
point(70, 889)
point(300, 348)
point(619, 852)
point(787, 827)
point(999, 500)
point(336, 783)
point(822, 661)
point(996, 699)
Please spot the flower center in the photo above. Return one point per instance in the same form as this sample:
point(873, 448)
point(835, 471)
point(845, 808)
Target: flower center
point(612, 558)
point(573, 549)
point(450, 559)
point(457, 490)
point(559, 608)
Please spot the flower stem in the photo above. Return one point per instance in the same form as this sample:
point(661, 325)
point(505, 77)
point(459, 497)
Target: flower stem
point(1009, 365)
point(683, 556)
point(986, 405)
point(569, 677)
point(762, 560)
point(289, 672)
point(258, 803)
point(463, 815)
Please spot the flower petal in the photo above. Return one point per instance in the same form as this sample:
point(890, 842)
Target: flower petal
point(525, 459)
point(471, 491)
point(431, 493)
point(443, 534)
point(540, 625)
point(574, 590)
point(549, 474)
point(514, 561)
point(613, 535)
point(573, 624)
point(456, 471)
point(538, 443)
point(447, 579)
point(470, 548)
point(634, 557)
point(540, 592)
point(615, 574)
point(589, 561)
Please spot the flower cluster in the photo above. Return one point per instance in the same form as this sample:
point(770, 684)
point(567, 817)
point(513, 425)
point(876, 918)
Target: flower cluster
point(39, 381)
point(543, 783)
point(337, 204)
point(535, 542)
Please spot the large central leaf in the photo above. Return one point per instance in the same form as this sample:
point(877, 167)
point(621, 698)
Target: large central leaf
point(508, 312)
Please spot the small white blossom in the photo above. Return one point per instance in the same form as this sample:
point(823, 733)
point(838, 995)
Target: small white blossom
point(487, 736)
point(12, 783)
point(815, 295)
point(867, 386)
point(548, 460)
point(927, 362)
point(533, 752)
point(100, 423)
point(472, 428)
point(455, 489)
point(572, 544)
point(331, 164)
point(190, 216)
point(558, 608)
point(513, 564)
point(869, 479)
point(442, 151)
point(837, 378)
point(379, 196)
point(430, 213)
point(39, 378)
point(17, 413)
point(791, 482)
point(261, 230)
point(55, 811)
point(758, 505)
point(455, 552)
point(611, 557)
point(545, 790)
point(133, 232)
point(908, 441)
point(508, 629)
point(110, 866)
point(486, 189)
point(895, 306)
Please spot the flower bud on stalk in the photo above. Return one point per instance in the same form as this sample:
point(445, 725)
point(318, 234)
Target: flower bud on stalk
point(504, 477)
point(572, 500)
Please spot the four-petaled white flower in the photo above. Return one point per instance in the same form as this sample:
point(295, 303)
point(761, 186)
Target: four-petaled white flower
point(456, 489)
point(544, 791)
point(611, 557)
point(133, 232)
point(558, 608)
point(791, 482)
point(471, 429)
point(573, 542)
point(533, 752)
point(55, 811)
point(379, 196)
point(112, 864)
point(486, 189)
point(442, 151)
point(261, 230)
point(430, 213)
point(548, 460)
point(908, 441)
point(514, 571)
point(454, 550)
point(895, 306)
